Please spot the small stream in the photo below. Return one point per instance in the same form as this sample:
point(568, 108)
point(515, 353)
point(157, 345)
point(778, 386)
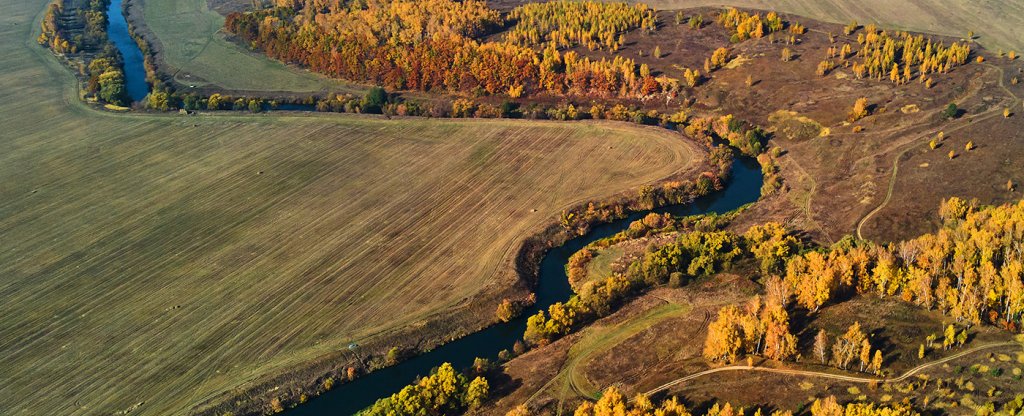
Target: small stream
point(744, 187)
point(134, 69)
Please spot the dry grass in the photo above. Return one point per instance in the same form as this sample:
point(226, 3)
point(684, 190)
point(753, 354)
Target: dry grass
point(157, 260)
point(1000, 24)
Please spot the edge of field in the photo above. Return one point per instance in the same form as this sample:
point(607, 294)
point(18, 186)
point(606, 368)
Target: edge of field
point(515, 277)
point(200, 42)
point(432, 330)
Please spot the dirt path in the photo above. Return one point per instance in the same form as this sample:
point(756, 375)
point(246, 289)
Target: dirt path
point(839, 377)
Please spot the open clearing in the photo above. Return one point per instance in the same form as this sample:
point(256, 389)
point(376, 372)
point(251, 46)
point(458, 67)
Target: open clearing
point(1000, 24)
point(194, 51)
point(157, 260)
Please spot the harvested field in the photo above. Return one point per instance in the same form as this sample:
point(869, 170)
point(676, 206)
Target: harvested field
point(151, 262)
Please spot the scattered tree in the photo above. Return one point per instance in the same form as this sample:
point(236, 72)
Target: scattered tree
point(719, 58)
point(477, 392)
point(860, 110)
point(787, 55)
point(949, 337)
point(951, 111)
point(506, 310)
point(821, 346)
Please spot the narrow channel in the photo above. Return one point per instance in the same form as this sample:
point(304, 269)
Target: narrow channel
point(134, 67)
point(743, 187)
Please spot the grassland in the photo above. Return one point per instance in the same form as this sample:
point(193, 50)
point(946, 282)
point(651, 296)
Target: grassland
point(194, 52)
point(1000, 24)
point(150, 262)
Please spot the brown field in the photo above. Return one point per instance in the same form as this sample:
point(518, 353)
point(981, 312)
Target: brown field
point(151, 262)
point(845, 183)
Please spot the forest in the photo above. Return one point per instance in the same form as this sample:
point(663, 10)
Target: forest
point(970, 269)
point(434, 45)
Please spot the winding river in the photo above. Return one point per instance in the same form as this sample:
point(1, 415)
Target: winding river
point(744, 187)
point(134, 68)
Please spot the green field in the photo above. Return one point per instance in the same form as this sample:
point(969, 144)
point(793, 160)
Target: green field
point(162, 259)
point(1000, 24)
point(196, 53)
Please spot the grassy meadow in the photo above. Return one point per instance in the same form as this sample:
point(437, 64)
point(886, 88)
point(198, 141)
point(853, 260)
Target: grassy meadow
point(148, 262)
point(1000, 24)
point(197, 53)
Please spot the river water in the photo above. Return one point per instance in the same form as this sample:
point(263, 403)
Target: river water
point(744, 187)
point(134, 69)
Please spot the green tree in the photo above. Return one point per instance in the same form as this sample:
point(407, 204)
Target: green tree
point(374, 100)
point(112, 89)
point(951, 111)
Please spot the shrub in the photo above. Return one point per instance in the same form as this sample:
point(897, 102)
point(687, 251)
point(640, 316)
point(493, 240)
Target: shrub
point(374, 100)
point(951, 111)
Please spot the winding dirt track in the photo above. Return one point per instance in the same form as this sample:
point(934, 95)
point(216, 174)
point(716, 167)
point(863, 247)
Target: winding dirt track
point(840, 377)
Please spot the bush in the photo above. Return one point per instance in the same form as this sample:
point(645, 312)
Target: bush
point(951, 111)
point(374, 100)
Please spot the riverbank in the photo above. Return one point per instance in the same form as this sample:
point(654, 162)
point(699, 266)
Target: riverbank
point(158, 255)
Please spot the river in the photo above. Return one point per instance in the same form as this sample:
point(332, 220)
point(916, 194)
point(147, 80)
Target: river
point(743, 187)
point(134, 68)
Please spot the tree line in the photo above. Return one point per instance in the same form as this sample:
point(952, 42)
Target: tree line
point(971, 269)
point(614, 402)
point(692, 254)
point(446, 391)
point(80, 34)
